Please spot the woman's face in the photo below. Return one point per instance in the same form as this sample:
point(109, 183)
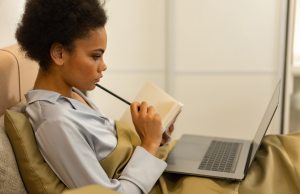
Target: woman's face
point(84, 65)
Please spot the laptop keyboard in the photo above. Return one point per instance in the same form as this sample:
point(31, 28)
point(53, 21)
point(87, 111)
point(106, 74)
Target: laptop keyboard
point(221, 156)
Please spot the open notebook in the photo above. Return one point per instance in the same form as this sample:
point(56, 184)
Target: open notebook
point(167, 106)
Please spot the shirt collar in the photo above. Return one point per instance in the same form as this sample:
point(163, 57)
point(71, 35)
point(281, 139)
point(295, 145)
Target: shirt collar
point(52, 97)
point(41, 95)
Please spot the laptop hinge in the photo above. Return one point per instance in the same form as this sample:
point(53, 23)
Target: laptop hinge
point(247, 166)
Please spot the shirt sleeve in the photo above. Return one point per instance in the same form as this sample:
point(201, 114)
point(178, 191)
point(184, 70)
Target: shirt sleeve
point(73, 160)
point(143, 169)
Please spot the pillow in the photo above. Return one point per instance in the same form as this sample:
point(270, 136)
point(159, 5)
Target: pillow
point(37, 176)
point(10, 179)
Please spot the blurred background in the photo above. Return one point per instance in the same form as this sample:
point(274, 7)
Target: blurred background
point(221, 59)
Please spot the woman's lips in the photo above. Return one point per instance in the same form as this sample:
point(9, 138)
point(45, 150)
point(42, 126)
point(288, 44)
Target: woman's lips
point(98, 79)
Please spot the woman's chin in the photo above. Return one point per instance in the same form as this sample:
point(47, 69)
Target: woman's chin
point(87, 87)
point(90, 87)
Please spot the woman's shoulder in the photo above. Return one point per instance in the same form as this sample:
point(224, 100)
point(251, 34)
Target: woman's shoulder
point(45, 104)
point(39, 95)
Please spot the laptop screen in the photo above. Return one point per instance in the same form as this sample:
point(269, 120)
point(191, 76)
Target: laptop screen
point(265, 122)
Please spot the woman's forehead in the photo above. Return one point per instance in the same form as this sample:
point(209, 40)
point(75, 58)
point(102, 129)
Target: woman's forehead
point(95, 38)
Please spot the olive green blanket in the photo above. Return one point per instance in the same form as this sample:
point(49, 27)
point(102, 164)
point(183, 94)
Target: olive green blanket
point(275, 170)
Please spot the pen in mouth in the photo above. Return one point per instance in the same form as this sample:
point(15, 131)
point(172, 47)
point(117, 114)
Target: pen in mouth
point(115, 95)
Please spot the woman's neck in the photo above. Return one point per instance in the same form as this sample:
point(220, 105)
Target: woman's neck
point(48, 80)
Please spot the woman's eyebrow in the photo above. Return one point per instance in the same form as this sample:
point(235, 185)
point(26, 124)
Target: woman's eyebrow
point(100, 50)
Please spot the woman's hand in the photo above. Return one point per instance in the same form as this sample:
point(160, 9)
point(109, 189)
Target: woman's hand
point(148, 125)
point(167, 134)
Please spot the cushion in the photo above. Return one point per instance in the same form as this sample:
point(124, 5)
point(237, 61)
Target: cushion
point(37, 176)
point(10, 179)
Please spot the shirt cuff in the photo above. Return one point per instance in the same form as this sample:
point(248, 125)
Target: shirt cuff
point(143, 169)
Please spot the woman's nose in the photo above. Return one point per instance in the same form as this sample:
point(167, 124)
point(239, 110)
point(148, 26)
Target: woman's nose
point(102, 67)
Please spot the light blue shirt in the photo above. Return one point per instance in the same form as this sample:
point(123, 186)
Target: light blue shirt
point(73, 138)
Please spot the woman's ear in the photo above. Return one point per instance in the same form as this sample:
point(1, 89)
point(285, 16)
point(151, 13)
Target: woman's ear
point(56, 53)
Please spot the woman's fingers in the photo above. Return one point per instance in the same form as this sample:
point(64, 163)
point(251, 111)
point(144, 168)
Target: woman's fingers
point(134, 107)
point(147, 124)
point(142, 108)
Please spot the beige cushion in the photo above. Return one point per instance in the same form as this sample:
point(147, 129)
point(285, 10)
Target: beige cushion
point(37, 176)
point(27, 67)
point(17, 76)
point(10, 180)
point(9, 81)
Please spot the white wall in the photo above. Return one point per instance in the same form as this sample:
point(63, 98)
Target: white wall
point(10, 11)
point(221, 59)
point(225, 56)
point(218, 57)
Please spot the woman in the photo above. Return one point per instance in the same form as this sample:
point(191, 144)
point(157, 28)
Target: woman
point(68, 40)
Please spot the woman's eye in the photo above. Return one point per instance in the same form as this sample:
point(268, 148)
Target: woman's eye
point(96, 57)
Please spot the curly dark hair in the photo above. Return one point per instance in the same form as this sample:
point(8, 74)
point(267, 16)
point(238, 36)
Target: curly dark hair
point(45, 22)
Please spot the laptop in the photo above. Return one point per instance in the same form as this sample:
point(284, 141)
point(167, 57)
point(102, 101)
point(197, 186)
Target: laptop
point(219, 157)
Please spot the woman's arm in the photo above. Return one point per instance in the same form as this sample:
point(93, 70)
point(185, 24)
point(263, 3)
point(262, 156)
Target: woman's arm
point(74, 161)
